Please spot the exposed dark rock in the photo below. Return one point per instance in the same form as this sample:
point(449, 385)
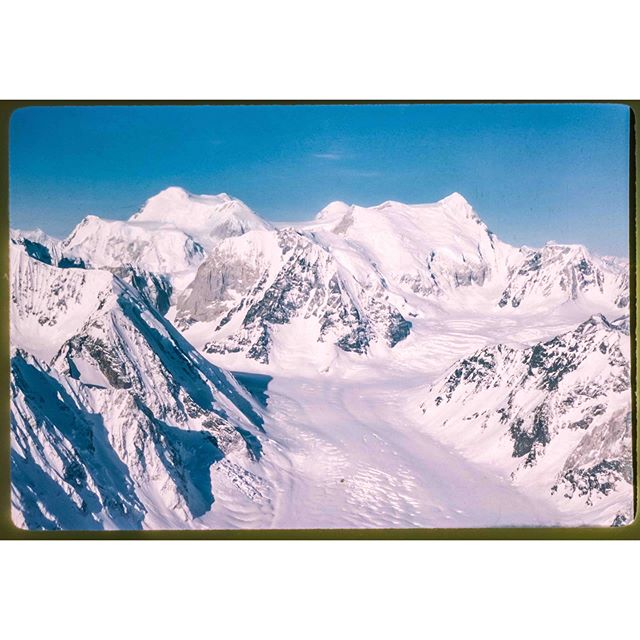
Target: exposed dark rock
point(37, 250)
point(599, 478)
point(530, 441)
point(398, 328)
point(155, 289)
point(67, 262)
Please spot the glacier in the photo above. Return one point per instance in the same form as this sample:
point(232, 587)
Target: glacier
point(395, 366)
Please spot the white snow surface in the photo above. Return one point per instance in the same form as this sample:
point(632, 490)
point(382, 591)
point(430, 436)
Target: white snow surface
point(344, 441)
point(206, 218)
point(113, 243)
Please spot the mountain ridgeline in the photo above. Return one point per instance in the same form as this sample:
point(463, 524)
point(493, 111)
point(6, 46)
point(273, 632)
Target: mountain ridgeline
point(124, 414)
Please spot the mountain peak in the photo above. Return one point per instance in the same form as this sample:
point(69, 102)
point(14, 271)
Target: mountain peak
point(334, 209)
point(34, 235)
point(172, 196)
point(207, 218)
point(390, 204)
point(454, 199)
point(565, 247)
point(456, 205)
point(597, 320)
point(172, 193)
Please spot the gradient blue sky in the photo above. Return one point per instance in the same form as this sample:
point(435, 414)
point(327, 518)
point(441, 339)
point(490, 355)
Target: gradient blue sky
point(532, 172)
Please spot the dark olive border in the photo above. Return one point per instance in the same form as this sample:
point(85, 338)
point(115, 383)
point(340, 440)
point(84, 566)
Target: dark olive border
point(9, 531)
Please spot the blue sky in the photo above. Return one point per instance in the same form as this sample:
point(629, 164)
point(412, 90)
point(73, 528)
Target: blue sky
point(532, 172)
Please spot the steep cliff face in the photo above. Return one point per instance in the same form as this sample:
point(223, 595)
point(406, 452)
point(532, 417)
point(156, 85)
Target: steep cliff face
point(37, 244)
point(50, 304)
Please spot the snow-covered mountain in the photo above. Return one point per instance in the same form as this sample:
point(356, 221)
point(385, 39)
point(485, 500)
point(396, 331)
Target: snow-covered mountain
point(560, 273)
point(119, 422)
point(102, 243)
point(151, 259)
point(208, 219)
point(556, 413)
point(428, 249)
point(158, 249)
point(285, 287)
point(359, 276)
point(116, 419)
point(37, 244)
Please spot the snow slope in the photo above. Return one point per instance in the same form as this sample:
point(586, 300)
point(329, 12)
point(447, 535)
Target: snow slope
point(114, 243)
point(357, 460)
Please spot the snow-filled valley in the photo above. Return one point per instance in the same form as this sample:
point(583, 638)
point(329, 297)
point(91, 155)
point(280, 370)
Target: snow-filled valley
point(390, 366)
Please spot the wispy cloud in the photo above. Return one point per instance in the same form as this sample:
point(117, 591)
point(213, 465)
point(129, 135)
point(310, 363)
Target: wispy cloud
point(328, 156)
point(358, 173)
point(346, 167)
